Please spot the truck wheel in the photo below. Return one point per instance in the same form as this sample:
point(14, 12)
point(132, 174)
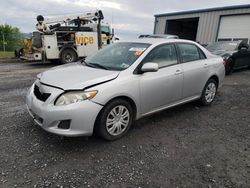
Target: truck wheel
point(68, 55)
point(20, 52)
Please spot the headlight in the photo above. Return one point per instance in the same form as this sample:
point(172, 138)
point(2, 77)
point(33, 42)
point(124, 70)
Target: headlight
point(74, 96)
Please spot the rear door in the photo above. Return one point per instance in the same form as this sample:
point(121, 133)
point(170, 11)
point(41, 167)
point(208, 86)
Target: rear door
point(163, 87)
point(195, 69)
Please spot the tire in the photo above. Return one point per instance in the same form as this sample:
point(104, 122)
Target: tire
point(229, 67)
point(118, 127)
point(68, 55)
point(20, 52)
point(209, 92)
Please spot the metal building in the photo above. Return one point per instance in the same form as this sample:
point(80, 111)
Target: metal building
point(207, 25)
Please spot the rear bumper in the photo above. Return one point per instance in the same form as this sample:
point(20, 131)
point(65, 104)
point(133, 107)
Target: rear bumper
point(82, 115)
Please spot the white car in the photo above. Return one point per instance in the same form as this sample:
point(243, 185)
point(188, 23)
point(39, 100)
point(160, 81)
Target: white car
point(121, 83)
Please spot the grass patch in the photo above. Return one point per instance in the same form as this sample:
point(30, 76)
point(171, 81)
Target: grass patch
point(6, 54)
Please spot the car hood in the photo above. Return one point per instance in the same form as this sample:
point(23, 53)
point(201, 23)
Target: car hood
point(222, 52)
point(76, 76)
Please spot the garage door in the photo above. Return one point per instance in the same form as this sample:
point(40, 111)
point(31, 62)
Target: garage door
point(234, 28)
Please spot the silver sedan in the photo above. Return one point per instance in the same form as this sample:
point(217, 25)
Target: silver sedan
point(121, 83)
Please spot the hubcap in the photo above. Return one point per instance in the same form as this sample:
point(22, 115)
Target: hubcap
point(68, 57)
point(117, 120)
point(210, 92)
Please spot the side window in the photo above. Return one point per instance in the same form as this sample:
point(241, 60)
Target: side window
point(190, 52)
point(164, 55)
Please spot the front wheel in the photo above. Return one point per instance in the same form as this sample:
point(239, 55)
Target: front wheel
point(114, 120)
point(209, 92)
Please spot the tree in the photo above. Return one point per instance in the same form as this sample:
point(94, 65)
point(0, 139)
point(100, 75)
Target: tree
point(12, 37)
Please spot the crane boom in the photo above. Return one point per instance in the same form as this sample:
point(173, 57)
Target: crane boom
point(95, 15)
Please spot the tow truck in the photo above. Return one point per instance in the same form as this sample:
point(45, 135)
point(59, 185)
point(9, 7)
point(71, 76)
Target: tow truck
point(67, 38)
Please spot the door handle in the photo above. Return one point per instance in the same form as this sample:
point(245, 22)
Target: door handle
point(177, 72)
point(205, 65)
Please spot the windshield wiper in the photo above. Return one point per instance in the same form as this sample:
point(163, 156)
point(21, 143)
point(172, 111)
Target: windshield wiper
point(83, 61)
point(98, 65)
point(94, 65)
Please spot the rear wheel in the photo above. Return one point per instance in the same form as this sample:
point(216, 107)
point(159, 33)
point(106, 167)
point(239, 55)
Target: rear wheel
point(209, 92)
point(19, 53)
point(229, 66)
point(68, 55)
point(114, 120)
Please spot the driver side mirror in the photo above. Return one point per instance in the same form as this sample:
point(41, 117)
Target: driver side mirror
point(243, 46)
point(150, 67)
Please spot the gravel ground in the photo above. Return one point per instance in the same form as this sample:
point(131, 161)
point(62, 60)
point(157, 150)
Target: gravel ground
point(186, 146)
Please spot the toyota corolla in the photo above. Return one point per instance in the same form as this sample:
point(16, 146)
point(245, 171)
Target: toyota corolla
point(121, 83)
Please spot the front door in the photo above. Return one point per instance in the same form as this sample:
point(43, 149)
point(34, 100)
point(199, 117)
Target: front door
point(163, 87)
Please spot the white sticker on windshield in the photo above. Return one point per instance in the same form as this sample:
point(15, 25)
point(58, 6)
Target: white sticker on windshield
point(233, 44)
point(124, 65)
point(134, 49)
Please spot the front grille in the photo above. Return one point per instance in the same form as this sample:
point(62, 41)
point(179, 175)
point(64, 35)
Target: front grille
point(41, 96)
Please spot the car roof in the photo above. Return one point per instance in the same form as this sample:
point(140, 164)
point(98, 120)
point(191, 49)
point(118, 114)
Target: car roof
point(157, 40)
point(157, 35)
point(166, 35)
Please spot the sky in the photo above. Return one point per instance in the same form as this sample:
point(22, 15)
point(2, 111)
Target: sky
point(129, 18)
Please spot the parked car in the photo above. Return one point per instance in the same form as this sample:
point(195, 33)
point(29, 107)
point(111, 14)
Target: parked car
point(121, 83)
point(166, 36)
point(236, 54)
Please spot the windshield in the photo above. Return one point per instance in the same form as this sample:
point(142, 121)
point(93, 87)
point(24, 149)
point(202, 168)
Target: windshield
point(225, 46)
point(118, 56)
point(105, 29)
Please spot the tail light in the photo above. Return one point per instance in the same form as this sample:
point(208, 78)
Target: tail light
point(225, 61)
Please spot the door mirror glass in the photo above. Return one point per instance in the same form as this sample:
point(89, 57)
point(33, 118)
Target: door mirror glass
point(243, 46)
point(150, 67)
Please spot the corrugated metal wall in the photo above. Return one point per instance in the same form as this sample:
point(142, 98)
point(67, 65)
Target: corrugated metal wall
point(208, 23)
